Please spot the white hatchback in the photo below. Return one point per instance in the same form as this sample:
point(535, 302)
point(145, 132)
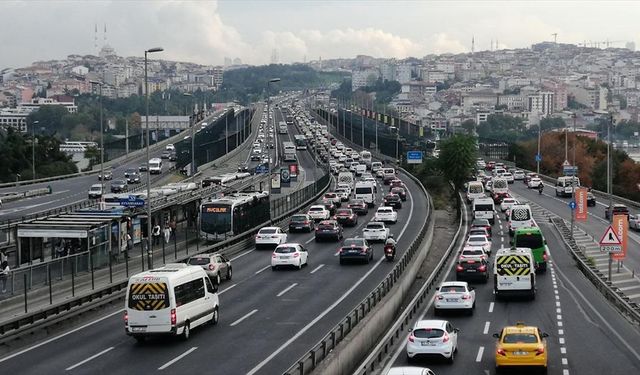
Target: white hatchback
point(270, 237)
point(455, 295)
point(375, 231)
point(386, 215)
point(319, 212)
point(433, 338)
point(534, 183)
point(480, 241)
point(289, 254)
point(507, 203)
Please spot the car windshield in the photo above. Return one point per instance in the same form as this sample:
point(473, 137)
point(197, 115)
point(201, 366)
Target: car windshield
point(483, 207)
point(452, 289)
point(516, 338)
point(356, 203)
point(298, 218)
point(285, 249)
point(325, 226)
point(316, 209)
point(480, 223)
point(475, 189)
point(384, 210)
point(471, 253)
point(478, 239)
point(374, 226)
point(428, 333)
point(267, 231)
point(344, 212)
point(198, 261)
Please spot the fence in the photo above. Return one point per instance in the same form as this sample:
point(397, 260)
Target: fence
point(280, 206)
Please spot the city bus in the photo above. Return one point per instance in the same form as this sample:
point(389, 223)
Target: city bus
point(233, 214)
point(301, 142)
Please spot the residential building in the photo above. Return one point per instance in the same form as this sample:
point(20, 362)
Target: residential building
point(542, 102)
point(15, 118)
point(361, 78)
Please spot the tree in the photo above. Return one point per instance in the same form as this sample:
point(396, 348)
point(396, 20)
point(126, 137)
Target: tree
point(457, 158)
point(469, 126)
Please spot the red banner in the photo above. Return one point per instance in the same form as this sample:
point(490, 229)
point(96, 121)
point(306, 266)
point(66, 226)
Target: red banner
point(620, 225)
point(581, 204)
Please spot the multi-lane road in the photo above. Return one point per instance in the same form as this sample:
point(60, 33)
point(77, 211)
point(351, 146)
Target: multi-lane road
point(586, 334)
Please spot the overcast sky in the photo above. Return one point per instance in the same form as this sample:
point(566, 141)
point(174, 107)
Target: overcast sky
point(208, 31)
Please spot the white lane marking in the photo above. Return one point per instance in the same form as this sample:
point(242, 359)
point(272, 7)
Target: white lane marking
point(565, 372)
point(328, 309)
point(310, 240)
point(286, 289)
point(561, 332)
point(563, 350)
point(491, 307)
point(557, 303)
point(479, 356)
point(486, 328)
point(560, 323)
point(176, 359)
point(89, 359)
point(243, 318)
point(60, 336)
point(561, 340)
point(317, 268)
point(261, 269)
point(558, 317)
point(227, 288)
point(240, 255)
point(564, 361)
point(559, 311)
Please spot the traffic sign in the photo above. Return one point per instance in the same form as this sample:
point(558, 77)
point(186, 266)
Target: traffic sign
point(131, 201)
point(570, 170)
point(285, 177)
point(610, 238)
point(572, 205)
point(262, 168)
point(414, 157)
point(566, 163)
point(538, 157)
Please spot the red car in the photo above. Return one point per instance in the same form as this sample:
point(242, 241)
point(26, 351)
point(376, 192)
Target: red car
point(490, 165)
point(346, 217)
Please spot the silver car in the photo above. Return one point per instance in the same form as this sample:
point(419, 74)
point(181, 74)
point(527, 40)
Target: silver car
point(215, 265)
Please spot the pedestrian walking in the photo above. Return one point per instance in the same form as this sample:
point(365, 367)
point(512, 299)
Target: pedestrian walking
point(4, 275)
point(167, 233)
point(129, 246)
point(155, 233)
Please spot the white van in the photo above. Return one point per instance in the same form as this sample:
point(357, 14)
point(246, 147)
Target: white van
point(483, 208)
point(366, 191)
point(564, 187)
point(155, 166)
point(520, 217)
point(475, 189)
point(514, 272)
point(345, 177)
point(170, 300)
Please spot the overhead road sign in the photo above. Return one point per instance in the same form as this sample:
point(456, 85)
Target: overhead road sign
point(131, 201)
point(414, 157)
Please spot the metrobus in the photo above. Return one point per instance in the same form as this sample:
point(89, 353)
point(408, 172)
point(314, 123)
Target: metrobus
point(301, 142)
point(234, 214)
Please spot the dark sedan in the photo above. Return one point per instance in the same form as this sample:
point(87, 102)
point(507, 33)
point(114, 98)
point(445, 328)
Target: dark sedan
point(393, 200)
point(401, 192)
point(129, 171)
point(329, 206)
point(328, 230)
point(472, 269)
point(133, 178)
point(481, 223)
point(301, 222)
point(243, 167)
point(143, 167)
point(358, 206)
point(173, 157)
point(118, 186)
point(355, 249)
point(346, 217)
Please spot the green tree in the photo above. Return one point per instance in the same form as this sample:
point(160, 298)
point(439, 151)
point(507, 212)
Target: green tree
point(469, 126)
point(457, 158)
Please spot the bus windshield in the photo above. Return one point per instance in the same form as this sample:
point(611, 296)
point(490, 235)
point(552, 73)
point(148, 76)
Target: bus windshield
point(216, 218)
point(530, 240)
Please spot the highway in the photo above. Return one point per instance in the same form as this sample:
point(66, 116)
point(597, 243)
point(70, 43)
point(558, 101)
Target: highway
point(267, 318)
point(71, 190)
point(586, 334)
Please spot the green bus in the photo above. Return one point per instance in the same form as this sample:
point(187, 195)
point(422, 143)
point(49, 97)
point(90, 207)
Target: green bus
point(532, 238)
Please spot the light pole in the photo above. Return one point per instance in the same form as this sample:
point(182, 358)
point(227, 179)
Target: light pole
point(101, 134)
point(609, 173)
point(375, 114)
point(538, 154)
point(362, 113)
point(33, 149)
point(146, 99)
point(272, 137)
point(193, 136)
point(575, 171)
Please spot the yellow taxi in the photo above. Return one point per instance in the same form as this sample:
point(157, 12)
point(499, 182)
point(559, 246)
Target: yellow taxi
point(521, 345)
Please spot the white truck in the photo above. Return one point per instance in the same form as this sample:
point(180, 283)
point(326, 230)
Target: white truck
point(155, 166)
point(514, 272)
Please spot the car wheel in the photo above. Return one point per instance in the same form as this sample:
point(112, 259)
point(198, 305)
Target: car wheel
point(215, 317)
point(300, 265)
point(140, 339)
point(229, 273)
point(186, 332)
point(273, 268)
point(436, 312)
point(218, 279)
point(453, 356)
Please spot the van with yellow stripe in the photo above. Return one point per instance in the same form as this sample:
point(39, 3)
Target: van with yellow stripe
point(170, 300)
point(514, 272)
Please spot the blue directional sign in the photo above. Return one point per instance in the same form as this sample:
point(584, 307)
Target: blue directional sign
point(132, 201)
point(538, 157)
point(262, 168)
point(414, 157)
point(570, 170)
point(572, 205)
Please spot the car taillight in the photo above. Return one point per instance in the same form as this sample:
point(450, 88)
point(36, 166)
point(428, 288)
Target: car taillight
point(540, 350)
point(306, 222)
point(445, 338)
point(466, 296)
point(412, 338)
point(545, 256)
point(501, 351)
point(295, 255)
point(482, 268)
point(439, 297)
point(274, 255)
point(174, 318)
point(459, 268)
point(212, 267)
point(126, 318)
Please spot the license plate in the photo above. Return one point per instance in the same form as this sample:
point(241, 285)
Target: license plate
point(520, 353)
point(138, 329)
point(451, 299)
point(298, 227)
point(471, 270)
point(284, 257)
point(353, 251)
point(426, 343)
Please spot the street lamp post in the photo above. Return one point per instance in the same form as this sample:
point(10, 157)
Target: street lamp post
point(101, 134)
point(575, 171)
point(538, 154)
point(33, 149)
point(272, 137)
point(375, 113)
point(146, 97)
point(193, 137)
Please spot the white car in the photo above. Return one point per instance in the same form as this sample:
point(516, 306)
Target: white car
point(333, 198)
point(410, 370)
point(481, 241)
point(509, 177)
point(289, 254)
point(343, 194)
point(472, 252)
point(433, 337)
point(354, 166)
point(455, 295)
point(344, 186)
point(319, 212)
point(270, 237)
point(507, 203)
point(534, 183)
point(518, 175)
point(386, 215)
point(375, 231)
point(170, 147)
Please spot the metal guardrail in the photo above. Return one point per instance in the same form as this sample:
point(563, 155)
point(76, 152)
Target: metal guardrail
point(394, 335)
point(625, 306)
point(76, 305)
point(310, 360)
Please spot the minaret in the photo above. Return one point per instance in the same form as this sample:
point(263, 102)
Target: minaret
point(473, 44)
point(95, 39)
